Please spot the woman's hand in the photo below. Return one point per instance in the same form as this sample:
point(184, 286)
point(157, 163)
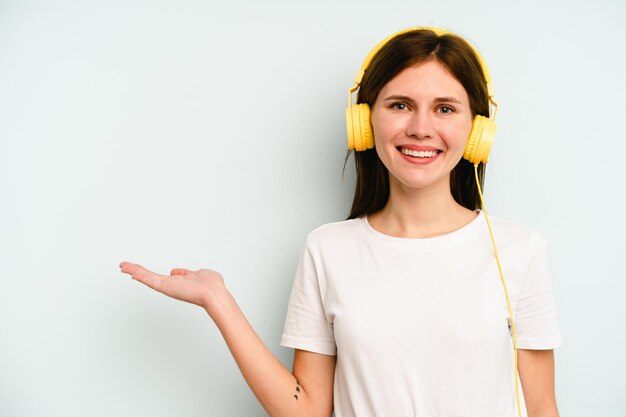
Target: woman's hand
point(199, 287)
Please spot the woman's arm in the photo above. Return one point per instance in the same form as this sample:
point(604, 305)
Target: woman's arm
point(316, 373)
point(536, 372)
point(274, 386)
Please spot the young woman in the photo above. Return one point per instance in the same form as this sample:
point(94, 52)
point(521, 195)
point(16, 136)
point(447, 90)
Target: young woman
point(401, 310)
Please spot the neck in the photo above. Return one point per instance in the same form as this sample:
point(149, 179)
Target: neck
point(422, 213)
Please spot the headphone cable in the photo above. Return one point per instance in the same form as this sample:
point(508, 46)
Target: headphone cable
point(506, 292)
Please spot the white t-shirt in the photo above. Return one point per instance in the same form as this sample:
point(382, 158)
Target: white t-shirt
point(419, 326)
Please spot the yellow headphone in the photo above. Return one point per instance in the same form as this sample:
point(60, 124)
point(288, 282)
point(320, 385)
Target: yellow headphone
point(361, 138)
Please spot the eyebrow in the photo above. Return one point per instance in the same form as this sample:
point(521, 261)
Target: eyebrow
point(447, 100)
point(436, 100)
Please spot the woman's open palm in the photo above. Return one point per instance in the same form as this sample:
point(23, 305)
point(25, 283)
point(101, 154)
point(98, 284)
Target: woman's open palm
point(196, 287)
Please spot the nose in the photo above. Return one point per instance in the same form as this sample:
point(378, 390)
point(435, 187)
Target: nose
point(420, 125)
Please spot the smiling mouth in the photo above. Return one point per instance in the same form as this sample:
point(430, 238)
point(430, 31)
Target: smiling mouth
point(418, 154)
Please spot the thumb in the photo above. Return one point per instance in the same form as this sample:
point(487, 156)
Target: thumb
point(179, 271)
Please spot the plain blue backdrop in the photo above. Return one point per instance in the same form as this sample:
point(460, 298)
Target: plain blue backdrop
point(211, 134)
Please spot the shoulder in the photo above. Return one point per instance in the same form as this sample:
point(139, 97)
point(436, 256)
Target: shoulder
point(335, 230)
point(510, 230)
point(520, 239)
point(335, 235)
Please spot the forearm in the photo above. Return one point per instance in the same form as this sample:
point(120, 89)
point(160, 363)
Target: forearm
point(273, 385)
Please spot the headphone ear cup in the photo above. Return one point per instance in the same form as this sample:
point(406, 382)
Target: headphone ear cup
point(360, 136)
point(367, 136)
point(480, 140)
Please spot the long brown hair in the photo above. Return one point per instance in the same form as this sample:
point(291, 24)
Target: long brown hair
point(403, 51)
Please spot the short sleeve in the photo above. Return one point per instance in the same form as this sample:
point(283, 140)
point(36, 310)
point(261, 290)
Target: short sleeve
point(536, 317)
point(306, 324)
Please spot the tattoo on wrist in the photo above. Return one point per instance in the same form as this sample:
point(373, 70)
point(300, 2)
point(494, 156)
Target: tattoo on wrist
point(297, 394)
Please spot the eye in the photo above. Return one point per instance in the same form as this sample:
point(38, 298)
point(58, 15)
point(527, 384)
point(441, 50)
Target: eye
point(445, 109)
point(398, 106)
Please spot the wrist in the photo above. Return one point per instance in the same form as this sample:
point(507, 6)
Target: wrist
point(218, 301)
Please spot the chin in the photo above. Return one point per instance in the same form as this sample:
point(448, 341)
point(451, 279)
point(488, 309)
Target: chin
point(421, 184)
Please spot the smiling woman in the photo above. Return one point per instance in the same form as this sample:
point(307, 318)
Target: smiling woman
point(408, 49)
point(398, 310)
point(405, 292)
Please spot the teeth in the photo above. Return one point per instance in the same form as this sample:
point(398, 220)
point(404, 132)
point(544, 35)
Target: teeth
point(419, 154)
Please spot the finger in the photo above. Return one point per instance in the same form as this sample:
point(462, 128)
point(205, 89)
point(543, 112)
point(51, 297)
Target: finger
point(143, 275)
point(128, 267)
point(123, 264)
point(179, 271)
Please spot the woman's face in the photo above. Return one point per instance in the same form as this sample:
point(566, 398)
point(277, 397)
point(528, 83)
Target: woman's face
point(421, 121)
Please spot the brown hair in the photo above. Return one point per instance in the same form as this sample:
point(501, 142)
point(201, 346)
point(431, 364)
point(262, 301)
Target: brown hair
point(405, 50)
